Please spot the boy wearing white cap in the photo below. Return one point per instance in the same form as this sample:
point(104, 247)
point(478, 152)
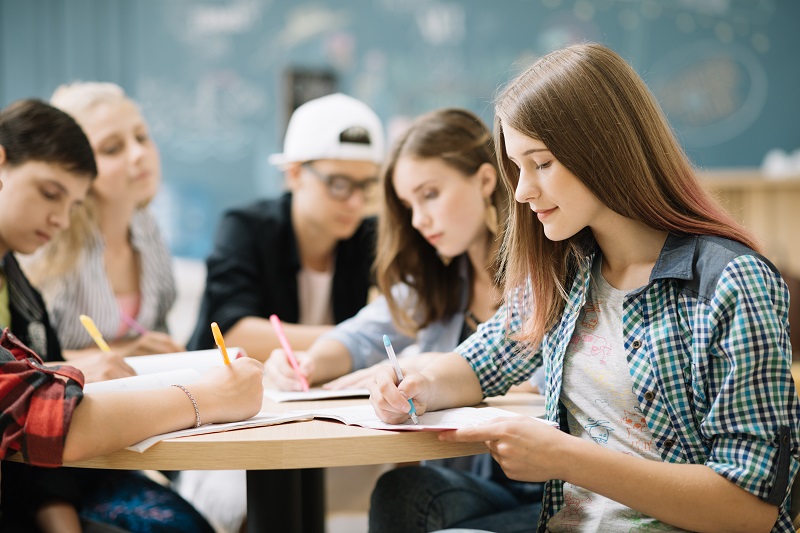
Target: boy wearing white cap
point(305, 256)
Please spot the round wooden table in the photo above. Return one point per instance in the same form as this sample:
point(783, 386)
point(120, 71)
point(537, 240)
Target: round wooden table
point(284, 463)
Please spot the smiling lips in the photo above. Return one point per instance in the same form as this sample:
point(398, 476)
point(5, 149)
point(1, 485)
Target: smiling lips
point(541, 214)
point(433, 239)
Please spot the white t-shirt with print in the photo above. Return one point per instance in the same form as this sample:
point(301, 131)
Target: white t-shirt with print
point(600, 406)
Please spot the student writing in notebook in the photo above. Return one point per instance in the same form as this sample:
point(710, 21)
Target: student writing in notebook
point(304, 256)
point(46, 169)
point(112, 263)
point(436, 267)
point(663, 332)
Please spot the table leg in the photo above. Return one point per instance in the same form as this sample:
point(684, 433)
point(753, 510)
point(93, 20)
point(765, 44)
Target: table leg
point(313, 500)
point(290, 501)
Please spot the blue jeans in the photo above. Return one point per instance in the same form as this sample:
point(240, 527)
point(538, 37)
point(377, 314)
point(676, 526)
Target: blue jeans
point(420, 499)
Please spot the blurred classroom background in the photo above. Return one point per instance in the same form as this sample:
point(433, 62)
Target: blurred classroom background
point(217, 79)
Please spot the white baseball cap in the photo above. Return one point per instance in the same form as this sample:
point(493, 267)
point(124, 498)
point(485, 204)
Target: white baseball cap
point(316, 127)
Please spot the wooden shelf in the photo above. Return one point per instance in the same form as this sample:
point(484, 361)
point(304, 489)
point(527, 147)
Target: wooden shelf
point(770, 208)
point(746, 179)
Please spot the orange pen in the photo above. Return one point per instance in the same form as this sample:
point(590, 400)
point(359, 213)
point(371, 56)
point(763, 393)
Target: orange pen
point(220, 342)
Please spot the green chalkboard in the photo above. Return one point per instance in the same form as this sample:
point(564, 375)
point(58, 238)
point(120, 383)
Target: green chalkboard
point(211, 75)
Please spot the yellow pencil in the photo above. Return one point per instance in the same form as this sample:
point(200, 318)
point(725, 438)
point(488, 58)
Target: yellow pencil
point(220, 342)
point(91, 328)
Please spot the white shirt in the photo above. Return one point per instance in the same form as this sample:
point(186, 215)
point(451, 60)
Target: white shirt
point(314, 297)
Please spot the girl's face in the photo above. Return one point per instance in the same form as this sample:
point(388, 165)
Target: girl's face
point(36, 201)
point(447, 207)
point(561, 202)
point(128, 164)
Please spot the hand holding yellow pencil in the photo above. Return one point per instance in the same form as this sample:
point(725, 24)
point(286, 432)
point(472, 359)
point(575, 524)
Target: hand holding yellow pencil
point(91, 328)
point(220, 342)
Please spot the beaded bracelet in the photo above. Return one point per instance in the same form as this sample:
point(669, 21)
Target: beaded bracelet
point(197, 422)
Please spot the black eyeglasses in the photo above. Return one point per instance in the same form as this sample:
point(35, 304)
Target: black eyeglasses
point(342, 187)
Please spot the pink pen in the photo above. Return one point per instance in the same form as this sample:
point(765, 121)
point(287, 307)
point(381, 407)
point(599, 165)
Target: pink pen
point(131, 323)
point(276, 323)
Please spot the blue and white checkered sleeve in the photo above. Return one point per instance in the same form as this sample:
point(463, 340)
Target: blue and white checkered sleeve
point(752, 421)
point(497, 359)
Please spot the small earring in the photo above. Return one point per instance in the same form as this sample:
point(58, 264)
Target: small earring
point(490, 218)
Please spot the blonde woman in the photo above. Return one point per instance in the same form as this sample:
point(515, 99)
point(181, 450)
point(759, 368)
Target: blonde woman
point(112, 263)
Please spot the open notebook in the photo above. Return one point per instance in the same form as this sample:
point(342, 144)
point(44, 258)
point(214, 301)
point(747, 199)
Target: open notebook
point(359, 415)
point(163, 370)
point(260, 420)
point(200, 360)
point(158, 371)
point(456, 418)
point(314, 393)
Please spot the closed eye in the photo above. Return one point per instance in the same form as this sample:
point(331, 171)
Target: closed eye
point(544, 165)
point(430, 194)
point(111, 149)
point(50, 195)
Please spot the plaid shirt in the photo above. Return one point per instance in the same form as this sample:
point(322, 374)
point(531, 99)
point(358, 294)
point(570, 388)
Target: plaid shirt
point(707, 345)
point(36, 405)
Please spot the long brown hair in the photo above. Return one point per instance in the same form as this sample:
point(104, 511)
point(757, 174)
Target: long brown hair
point(462, 141)
point(598, 118)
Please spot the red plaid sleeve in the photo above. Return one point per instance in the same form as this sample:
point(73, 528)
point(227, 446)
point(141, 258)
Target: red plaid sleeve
point(36, 403)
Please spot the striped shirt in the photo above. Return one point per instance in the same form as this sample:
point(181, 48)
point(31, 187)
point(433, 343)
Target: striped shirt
point(87, 289)
point(707, 346)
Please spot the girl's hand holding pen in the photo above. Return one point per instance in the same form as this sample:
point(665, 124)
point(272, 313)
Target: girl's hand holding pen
point(281, 374)
point(390, 400)
point(231, 392)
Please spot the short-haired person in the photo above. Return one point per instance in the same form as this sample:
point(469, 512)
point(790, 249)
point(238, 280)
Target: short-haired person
point(46, 170)
point(664, 335)
point(305, 256)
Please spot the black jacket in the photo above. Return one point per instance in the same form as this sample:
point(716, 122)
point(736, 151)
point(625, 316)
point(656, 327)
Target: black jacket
point(29, 319)
point(253, 268)
point(25, 487)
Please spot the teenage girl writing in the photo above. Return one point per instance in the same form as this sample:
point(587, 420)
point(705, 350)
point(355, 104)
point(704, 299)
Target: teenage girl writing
point(664, 335)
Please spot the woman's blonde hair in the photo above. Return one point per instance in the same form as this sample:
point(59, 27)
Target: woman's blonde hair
point(462, 141)
point(598, 118)
point(61, 254)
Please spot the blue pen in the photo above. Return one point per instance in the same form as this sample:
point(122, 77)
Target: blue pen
point(398, 373)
